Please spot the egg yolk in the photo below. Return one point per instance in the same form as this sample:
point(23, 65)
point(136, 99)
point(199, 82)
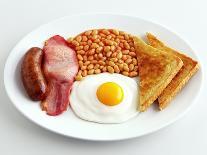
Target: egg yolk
point(110, 93)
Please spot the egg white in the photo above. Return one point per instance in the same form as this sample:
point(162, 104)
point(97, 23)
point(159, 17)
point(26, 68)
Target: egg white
point(85, 104)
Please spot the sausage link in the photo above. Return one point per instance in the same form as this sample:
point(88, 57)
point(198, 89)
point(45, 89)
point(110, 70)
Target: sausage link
point(32, 74)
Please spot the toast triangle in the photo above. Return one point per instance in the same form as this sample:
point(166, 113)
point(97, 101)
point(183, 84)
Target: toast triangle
point(156, 70)
point(188, 69)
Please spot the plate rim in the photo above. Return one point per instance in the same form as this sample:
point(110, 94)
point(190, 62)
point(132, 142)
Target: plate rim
point(122, 137)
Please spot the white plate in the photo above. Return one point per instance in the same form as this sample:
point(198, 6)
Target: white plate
point(68, 124)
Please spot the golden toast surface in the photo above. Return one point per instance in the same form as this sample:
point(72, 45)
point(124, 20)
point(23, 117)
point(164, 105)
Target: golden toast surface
point(156, 70)
point(188, 69)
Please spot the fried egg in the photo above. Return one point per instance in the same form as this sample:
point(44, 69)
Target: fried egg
point(105, 98)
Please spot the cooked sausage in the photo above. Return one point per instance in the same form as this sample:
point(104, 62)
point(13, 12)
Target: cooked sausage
point(32, 74)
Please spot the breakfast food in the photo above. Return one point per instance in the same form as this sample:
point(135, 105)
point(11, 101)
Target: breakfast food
point(189, 68)
point(108, 98)
point(156, 70)
point(60, 67)
point(105, 50)
point(109, 76)
point(32, 76)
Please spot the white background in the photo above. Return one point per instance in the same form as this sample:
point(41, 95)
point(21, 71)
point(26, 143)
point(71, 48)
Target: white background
point(187, 136)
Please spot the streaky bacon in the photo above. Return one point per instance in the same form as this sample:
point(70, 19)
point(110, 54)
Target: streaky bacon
point(60, 67)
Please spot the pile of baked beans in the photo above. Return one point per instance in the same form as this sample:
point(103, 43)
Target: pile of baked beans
point(105, 50)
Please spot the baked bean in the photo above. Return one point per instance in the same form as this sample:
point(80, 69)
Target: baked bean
point(128, 57)
point(116, 32)
point(121, 45)
point(87, 33)
point(80, 63)
point(91, 52)
point(83, 43)
point(78, 77)
point(111, 63)
point(108, 54)
point(89, 42)
point(110, 69)
point(105, 50)
point(79, 48)
point(94, 37)
point(124, 57)
point(94, 45)
point(128, 61)
point(95, 56)
point(131, 67)
point(94, 32)
point(114, 55)
point(118, 48)
point(91, 71)
point(90, 66)
point(125, 51)
point(132, 49)
point(116, 69)
point(78, 38)
point(133, 54)
point(121, 66)
point(109, 42)
point(85, 58)
point(131, 44)
point(109, 37)
point(97, 71)
point(133, 74)
point(120, 37)
point(112, 48)
point(117, 40)
point(82, 52)
point(84, 73)
point(86, 47)
point(100, 55)
point(119, 55)
point(102, 35)
point(96, 66)
point(87, 63)
point(79, 72)
point(103, 59)
point(99, 49)
point(126, 68)
point(75, 43)
point(101, 43)
point(90, 58)
point(120, 61)
point(101, 62)
point(126, 45)
point(97, 40)
point(134, 61)
point(106, 32)
point(135, 68)
point(79, 57)
point(121, 32)
point(84, 38)
point(126, 36)
point(114, 59)
point(125, 73)
point(104, 69)
point(83, 67)
point(94, 61)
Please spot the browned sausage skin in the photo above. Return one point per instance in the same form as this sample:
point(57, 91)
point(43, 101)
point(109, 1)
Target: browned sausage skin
point(32, 75)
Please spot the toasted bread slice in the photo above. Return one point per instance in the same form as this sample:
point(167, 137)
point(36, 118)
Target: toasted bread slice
point(189, 68)
point(156, 70)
